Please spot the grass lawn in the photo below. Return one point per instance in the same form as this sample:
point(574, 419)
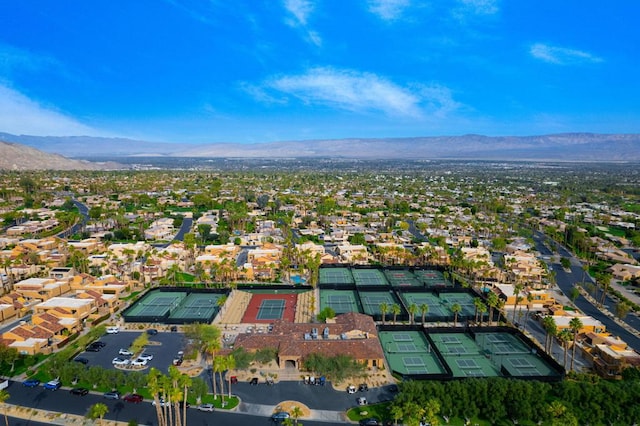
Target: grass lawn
point(379, 411)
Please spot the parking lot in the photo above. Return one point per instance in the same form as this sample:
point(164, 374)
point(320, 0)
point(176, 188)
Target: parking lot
point(163, 346)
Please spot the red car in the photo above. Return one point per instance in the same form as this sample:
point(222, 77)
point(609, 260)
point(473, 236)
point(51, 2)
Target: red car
point(133, 397)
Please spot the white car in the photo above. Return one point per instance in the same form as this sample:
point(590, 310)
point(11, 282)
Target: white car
point(113, 330)
point(362, 401)
point(125, 352)
point(138, 362)
point(351, 389)
point(145, 356)
point(120, 361)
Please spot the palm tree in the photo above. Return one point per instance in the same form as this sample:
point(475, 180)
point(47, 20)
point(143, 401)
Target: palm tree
point(4, 395)
point(455, 308)
point(516, 292)
point(476, 304)
point(296, 413)
point(395, 310)
point(492, 301)
point(575, 325)
point(230, 362)
point(565, 337)
point(550, 327)
point(155, 386)
point(529, 301)
point(482, 309)
point(97, 411)
point(384, 308)
point(413, 308)
point(424, 308)
point(219, 365)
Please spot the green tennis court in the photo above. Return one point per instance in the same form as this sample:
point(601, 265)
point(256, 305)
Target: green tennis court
point(371, 301)
point(339, 276)
point(431, 278)
point(156, 304)
point(341, 301)
point(198, 307)
point(371, 277)
point(402, 278)
point(463, 356)
point(435, 309)
point(408, 353)
point(465, 301)
point(271, 309)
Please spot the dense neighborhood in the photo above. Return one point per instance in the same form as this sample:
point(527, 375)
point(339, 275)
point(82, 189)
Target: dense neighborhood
point(516, 248)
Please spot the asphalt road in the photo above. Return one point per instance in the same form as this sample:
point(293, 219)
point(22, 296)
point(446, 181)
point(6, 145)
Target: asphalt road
point(566, 281)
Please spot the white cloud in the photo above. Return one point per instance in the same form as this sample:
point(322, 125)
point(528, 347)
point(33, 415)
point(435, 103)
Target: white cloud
point(561, 55)
point(388, 10)
point(300, 11)
point(469, 9)
point(21, 115)
point(362, 92)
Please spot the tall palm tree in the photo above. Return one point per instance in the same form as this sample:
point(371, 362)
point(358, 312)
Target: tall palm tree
point(476, 304)
point(230, 363)
point(550, 327)
point(384, 308)
point(565, 337)
point(575, 325)
point(482, 309)
point(516, 292)
point(492, 301)
point(219, 365)
point(413, 308)
point(455, 308)
point(155, 386)
point(395, 310)
point(529, 301)
point(424, 308)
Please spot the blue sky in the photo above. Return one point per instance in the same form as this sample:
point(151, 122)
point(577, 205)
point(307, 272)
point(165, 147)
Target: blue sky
point(267, 70)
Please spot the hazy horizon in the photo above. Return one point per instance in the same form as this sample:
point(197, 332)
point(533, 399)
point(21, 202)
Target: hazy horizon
point(295, 70)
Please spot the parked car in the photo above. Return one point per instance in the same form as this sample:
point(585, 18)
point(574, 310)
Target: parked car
point(363, 387)
point(351, 389)
point(362, 401)
point(253, 381)
point(174, 328)
point(152, 332)
point(177, 361)
point(113, 330)
point(138, 362)
point(120, 361)
point(133, 397)
point(145, 356)
point(280, 416)
point(163, 403)
point(205, 407)
point(81, 360)
point(125, 352)
point(372, 421)
point(31, 383)
point(79, 391)
point(99, 343)
point(112, 395)
point(53, 384)
point(93, 348)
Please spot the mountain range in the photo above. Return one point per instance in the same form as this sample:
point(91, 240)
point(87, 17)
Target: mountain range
point(554, 147)
point(15, 156)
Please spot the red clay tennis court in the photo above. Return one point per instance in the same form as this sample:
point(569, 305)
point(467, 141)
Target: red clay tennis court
point(266, 308)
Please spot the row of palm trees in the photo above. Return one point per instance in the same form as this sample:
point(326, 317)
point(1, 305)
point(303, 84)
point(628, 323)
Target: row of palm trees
point(566, 336)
